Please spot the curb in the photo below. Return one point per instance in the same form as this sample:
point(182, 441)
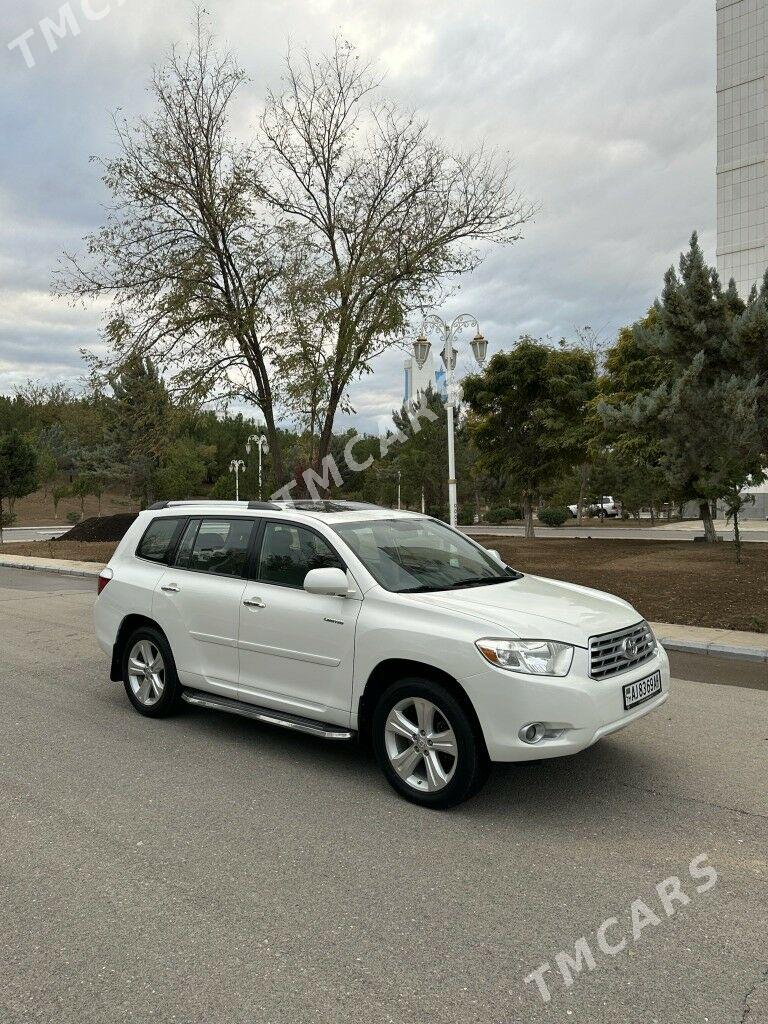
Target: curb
point(715, 650)
point(59, 570)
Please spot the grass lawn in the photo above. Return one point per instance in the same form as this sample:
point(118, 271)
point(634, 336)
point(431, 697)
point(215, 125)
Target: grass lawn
point(667, 581)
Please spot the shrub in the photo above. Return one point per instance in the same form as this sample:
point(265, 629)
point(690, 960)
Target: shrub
point(554, 516)
point(224, 488)
point(7, 519)
point(73, 517)
point(466, 515)
point(503, 514)
point(438, 512)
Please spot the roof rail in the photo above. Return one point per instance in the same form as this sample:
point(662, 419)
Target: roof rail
point(268, 506)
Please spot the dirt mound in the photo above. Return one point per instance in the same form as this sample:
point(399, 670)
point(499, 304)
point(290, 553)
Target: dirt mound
point(102, 528)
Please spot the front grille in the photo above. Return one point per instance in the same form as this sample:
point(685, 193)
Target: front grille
point(608, 654)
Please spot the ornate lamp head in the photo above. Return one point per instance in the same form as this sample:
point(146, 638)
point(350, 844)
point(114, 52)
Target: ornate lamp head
point(421, 349)
point(479, 347)
point(452, 359)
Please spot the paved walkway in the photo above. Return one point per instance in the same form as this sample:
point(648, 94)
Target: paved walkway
point(722, 643)
point(20, 534)
point(57, 565)
point(758, 534)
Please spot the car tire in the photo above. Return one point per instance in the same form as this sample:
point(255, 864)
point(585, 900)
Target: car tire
point(154, 691)
point(427, 744)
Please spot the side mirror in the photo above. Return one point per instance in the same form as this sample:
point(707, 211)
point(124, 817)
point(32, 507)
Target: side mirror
point(331, 582)
point(495, 554)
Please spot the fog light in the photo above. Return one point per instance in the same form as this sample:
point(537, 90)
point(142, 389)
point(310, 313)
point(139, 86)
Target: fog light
point(533, 733)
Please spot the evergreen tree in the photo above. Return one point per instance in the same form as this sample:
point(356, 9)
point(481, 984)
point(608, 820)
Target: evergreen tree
point(699, 415)
point(140, 425)
point(18, 471)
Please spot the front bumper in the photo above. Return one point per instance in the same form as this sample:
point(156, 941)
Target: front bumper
point(581, 709)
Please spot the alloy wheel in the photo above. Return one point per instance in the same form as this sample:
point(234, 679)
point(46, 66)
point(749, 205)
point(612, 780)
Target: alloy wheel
point(146, 672)
point(421, 744)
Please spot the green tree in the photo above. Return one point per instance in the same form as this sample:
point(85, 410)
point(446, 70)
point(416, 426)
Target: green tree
point(18, 470)
point(697, 414)
point(528, 411)
point(57, 495)
point(81, 488)
point(140, 425)
point(47, 470)
point(182, 471)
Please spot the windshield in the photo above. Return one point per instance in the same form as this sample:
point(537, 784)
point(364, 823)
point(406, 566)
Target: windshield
point(419, 555)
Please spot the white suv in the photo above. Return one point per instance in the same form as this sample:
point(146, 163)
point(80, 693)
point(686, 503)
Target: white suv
point(344, 620)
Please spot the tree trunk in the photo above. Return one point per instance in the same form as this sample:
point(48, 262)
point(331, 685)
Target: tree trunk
point(1, 520)
point(275, 447)
point(530, 533)
point(582, 491)
point(706, 517)
point(653, 515)
point(737, 537)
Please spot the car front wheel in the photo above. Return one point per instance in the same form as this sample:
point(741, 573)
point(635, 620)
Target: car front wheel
point(427, 745)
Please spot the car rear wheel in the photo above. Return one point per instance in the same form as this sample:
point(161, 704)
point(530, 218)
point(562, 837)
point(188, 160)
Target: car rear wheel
point(149, 674)
point(427, 745)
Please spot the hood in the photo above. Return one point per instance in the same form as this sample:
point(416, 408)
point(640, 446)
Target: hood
point(537, 608)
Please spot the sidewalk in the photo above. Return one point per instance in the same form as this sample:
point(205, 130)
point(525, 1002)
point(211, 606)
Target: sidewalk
point(56, 565)
point(721, 643)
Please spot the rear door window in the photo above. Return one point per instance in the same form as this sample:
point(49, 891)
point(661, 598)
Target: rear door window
point(216, 546)
point(159, 540)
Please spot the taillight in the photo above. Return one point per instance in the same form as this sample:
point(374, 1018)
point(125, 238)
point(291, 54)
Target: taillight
point(104, 577)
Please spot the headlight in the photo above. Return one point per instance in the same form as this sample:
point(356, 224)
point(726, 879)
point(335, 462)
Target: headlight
point(536, 657)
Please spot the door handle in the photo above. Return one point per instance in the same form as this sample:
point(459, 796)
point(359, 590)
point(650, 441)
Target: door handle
point(254, 602)
point(171, 588)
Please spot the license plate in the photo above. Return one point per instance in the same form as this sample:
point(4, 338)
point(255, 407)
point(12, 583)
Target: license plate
point(641, 691)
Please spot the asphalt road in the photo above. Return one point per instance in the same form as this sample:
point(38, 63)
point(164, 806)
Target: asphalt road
point(210, 869)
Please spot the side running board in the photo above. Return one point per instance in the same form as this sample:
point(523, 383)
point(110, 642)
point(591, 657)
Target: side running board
point(287, 721)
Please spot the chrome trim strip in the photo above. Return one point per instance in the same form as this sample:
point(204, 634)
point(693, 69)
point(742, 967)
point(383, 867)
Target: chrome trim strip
point(284, 652)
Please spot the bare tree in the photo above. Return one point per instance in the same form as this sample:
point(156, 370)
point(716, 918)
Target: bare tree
point(274, 272)
point(388, 213)
point(187, 259)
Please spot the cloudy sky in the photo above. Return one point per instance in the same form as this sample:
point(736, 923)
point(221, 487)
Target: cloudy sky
point(608, 110)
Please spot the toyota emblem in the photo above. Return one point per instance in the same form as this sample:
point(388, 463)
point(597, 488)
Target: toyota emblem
point(630, 647)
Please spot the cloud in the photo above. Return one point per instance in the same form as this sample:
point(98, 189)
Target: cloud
point(608, 110)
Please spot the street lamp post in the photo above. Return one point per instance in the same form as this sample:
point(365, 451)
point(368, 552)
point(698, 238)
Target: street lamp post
point(261, 443)
point(236, 466)
point(421, 347)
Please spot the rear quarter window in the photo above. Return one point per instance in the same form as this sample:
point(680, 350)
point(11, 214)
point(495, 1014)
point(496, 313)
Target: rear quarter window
point(159, 540)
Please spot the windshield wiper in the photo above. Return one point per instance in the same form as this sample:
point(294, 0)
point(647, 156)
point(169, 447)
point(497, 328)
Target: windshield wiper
point(474, 581)
point(479, 581)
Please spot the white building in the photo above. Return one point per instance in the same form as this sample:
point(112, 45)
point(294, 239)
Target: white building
point(742, 115)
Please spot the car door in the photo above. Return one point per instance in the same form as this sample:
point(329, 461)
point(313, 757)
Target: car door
point(198, 600)
point(296, 649)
